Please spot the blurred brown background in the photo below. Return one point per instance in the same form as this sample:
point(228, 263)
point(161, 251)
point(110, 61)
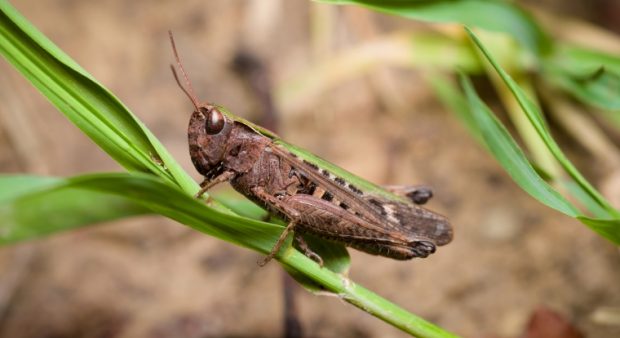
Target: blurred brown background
point(151, 277)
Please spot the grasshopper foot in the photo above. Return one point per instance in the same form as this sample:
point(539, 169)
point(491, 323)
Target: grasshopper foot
point(305, 248)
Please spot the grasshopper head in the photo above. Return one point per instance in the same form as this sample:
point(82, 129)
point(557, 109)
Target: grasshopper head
point(209, 132)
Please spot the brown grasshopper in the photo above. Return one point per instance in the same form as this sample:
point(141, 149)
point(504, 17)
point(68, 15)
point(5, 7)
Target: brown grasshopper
point(313, 195)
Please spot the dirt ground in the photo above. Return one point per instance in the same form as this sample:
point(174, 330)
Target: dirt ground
point(151, 277)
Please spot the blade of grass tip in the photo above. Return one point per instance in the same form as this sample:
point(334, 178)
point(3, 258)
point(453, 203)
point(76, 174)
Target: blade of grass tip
point(510, 156)
point(535, 118)
point(84, 101)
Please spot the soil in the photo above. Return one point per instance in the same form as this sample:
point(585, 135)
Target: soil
point(152, 277)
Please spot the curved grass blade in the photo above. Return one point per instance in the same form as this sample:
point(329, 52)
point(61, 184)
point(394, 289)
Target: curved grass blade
point(90, 106)
point(510, 156)
point(494, 15)
point(154, 194)
point(535, 117)
point(256, 235)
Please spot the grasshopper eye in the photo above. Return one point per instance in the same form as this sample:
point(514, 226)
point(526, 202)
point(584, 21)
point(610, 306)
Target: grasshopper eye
point(214, 122)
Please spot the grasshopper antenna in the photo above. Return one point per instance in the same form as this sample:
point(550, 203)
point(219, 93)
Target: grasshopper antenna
point(189, 91)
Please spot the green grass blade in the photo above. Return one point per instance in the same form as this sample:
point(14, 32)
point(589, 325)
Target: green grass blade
point(149, 192)
point(608, 228)
point(13, 186)
point(535, 117)
point(90, 106)
point(32, 207)
point(510, 156)
point(584, 199)
point(494, 15)
point(164, 199)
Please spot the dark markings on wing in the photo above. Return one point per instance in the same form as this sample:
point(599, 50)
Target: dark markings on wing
point(327, 196)
point(355, 189)
point(309, 188)
point(378, 205)
point(311, 165)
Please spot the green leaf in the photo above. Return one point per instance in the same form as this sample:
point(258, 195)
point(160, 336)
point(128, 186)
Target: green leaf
point(90, 106)
point(510, 156)
point(535, 117)
point(32, 206)
point(494, 15)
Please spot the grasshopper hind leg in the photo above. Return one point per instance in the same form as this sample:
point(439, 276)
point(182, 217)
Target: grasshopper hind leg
point(290, 213)
point(305, 248)
point(276, 248)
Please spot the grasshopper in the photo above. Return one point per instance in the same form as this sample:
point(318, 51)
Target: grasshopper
point(311, 194)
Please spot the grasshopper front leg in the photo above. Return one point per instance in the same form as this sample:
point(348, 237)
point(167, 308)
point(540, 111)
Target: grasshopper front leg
point(418, 194)
point(208, 184)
